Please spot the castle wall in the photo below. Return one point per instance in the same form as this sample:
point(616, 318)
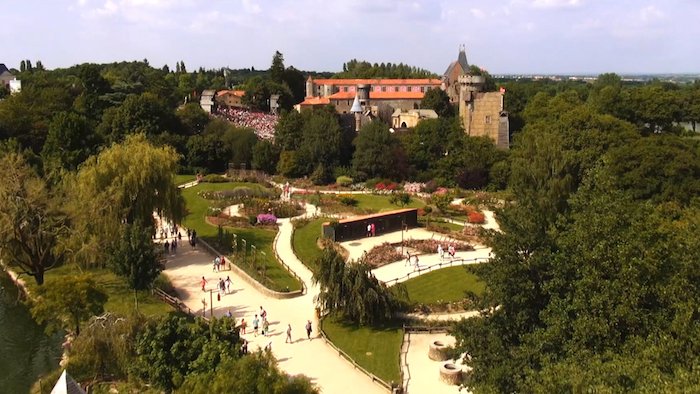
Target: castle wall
point(484, 118)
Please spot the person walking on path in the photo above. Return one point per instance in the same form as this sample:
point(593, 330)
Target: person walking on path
point(289, 334)
point(173, 246)
point(228, 284)
point(204, 283)
point(166, 247)
point(415, 262)
point(374, 230)
point(308, 329)
point(263, 313)
point(243, 326)
point(369, 230)
point(215, 267)
point(265, 327)
point(408, 259)
point(256, 322)
point(441, 251)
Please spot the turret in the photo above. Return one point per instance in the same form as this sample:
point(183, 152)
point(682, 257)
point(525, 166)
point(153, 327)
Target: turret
point(309, 87)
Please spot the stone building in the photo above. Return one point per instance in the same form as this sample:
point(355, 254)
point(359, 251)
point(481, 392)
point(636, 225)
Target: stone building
point(230, 98)
point(378, 97)
point(482, 113)
point(402, 119)
point(206, 101)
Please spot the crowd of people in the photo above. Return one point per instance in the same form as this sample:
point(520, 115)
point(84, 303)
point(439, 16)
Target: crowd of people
point(263, 124)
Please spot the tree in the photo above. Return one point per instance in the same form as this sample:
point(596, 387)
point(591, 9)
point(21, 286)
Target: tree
point(70, 142)
point(126, 183)
point(255, 373)
point(32, 223)
point(134, 257)
point(351, 290)
point(192, 119)
point(277, 67)
point(265, 156)
point(143, 113)
point(288, 130)
point(171, 348)
point(377, 152)
point(68, 302)
point(439, 101)
point(321, 141)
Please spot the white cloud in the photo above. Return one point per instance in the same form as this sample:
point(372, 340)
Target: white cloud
point(651, 14)
point(477, 13)
point(555, 3)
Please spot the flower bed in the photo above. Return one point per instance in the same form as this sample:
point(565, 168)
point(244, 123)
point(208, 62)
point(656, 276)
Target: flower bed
point(266, 219)
point(476, 217)
point(431, 245)
point(382, 254)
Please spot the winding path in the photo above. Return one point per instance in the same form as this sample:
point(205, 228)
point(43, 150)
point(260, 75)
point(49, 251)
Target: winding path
point(313, 358)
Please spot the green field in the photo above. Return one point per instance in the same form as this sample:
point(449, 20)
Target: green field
point(446, 285)
point(304, 242)
point(379, 203)
point(275, 276)
point(121, 297)
point(181, 179)
point(375, 349)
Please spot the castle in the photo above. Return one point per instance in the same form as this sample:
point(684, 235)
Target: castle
point(482, 113)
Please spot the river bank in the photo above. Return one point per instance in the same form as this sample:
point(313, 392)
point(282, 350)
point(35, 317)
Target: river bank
point(26, 351)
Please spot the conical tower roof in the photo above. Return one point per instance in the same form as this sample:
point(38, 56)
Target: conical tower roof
point(356, 107)
point(462, 58)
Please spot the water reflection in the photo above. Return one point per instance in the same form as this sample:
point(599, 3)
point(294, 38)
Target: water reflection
point(25, 350)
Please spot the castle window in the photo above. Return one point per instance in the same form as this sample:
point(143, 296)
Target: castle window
point(396, 89)
point(345, 88)
point(487, 119)
point(422, 89)
point(408, 89)
point(383, 88)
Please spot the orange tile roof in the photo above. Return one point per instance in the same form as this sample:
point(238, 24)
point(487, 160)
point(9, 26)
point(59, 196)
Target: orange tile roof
point(316, 101)
point(378, 81)
point(239, 93)
point(379, 95)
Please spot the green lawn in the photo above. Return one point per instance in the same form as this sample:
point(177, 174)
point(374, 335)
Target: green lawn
point(447, 284)
point(305, 245)
point(375, 349)
point(121, 297)
point(181, 179)
point(276, 277)
point(445, 225)
point(379, 203)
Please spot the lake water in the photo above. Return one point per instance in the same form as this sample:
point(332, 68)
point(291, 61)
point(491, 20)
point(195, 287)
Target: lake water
point(25, 350)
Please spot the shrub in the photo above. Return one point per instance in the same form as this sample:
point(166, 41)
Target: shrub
point(430, 245)
point(382, 254)
point(401, 199)
point(348, 201)
point(214, 178)
point(267, 218)
point(476, 217)
point(430, 186)
point(413, 187)
point(344, 180)
point(372, 183)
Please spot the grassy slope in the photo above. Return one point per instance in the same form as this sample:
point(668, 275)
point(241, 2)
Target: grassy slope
point(447, 284)
point(375, 349)
point(262, 238)
point(380, 203)
point(121, 298)
point(304, 242)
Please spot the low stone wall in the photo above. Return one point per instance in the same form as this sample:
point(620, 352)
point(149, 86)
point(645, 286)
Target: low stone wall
point(250, 280)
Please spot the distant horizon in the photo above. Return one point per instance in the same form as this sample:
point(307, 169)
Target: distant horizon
point(534, 37)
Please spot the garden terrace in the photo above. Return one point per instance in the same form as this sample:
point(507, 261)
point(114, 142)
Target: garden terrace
point(355, 228)
point(265, 268)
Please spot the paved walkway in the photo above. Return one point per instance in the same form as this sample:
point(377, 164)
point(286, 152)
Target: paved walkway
point(313, 358)
point(422, 375)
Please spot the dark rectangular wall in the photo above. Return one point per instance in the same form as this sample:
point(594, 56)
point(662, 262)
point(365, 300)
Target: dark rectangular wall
point(385, 223)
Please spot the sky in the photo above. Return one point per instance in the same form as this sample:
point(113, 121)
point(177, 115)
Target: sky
point(501, 36)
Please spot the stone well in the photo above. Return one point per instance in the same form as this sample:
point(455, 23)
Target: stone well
point(437, 351)
point(451, 373)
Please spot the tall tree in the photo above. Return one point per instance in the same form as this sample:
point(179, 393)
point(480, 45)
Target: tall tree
point(31, 221)
point(277, 67)
point(377, 153)
point(68, 302)
point(125, 183)
point(70, 141)
point(134, 257)
point(439, 101)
